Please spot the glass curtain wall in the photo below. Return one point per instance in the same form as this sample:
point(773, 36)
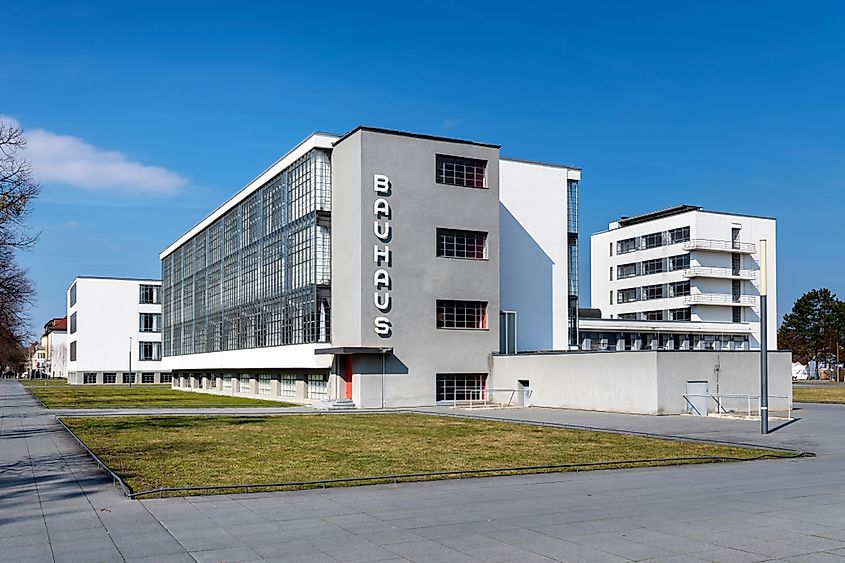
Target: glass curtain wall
point(259, 275)
point(572, 252)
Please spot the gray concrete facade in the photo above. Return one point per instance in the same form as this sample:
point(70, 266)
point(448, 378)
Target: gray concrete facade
point(643, 382)
point(418, 277)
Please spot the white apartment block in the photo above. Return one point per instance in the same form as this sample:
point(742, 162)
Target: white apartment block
point(680, 278)
point(114, 331)
point(54, 341)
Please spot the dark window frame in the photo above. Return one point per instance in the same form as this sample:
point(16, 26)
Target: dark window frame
point(455, 314)
point(653, 292)
point(461, 244)
point(659, 266)
point(147, 351)
point(460, 171)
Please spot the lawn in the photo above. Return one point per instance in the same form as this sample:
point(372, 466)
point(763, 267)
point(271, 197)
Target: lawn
point(58, 395)
point(151, 452)
point(824, 392)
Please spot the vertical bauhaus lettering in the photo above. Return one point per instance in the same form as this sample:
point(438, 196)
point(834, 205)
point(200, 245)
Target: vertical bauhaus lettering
point(382, 258)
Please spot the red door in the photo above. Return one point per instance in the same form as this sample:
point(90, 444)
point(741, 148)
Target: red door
point(347, 376)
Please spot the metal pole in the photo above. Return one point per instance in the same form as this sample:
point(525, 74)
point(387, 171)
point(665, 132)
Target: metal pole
point(764, 344)
point(130, 362)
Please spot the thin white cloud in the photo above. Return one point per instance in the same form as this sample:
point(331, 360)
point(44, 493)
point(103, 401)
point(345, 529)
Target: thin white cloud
point(70, 160)
point(449, 123)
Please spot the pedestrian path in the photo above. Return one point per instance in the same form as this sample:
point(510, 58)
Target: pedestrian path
point(56, 506)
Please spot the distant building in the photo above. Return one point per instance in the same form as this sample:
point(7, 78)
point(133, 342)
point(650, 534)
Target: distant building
point(113, 322)
point(54, 341)
point(682, 278)
point(37, 359)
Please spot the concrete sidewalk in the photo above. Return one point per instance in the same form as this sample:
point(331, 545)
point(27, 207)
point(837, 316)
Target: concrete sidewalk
point(54, 505)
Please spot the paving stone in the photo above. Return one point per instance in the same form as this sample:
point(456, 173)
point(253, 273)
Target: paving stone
point(228, 555)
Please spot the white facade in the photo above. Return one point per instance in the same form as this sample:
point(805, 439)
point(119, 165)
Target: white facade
point(535, 229)
point(57, 353)
point(678, 268)
point(113, 321)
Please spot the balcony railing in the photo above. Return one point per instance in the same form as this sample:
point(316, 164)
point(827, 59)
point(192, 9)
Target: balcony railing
point(720, 245)
point(720, 299)
point(708, 272)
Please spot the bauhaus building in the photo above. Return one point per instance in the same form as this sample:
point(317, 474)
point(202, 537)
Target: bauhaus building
point(380, 267)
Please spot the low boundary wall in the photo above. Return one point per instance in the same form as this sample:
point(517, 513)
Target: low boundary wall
point(642, 382)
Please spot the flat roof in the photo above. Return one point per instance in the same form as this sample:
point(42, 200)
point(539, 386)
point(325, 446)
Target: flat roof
point(659, 214)
point(107, 278)
point(672, 211)
point(314, 140)
point(539, 163)
point(319, 139)
point(413, 135)
point(154, 280)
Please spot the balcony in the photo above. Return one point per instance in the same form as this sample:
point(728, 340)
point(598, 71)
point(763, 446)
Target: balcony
point(720, 246)
point(723, 273)
point(720, 299)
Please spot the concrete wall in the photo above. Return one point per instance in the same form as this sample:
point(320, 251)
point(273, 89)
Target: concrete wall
point(618, 381)
point(637, 382)
point(418, 206)
point(726, 373)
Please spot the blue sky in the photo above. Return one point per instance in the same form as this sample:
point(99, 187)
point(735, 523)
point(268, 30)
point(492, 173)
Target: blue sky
point(146, 116)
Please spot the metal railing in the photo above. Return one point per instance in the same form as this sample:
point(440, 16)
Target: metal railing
point(719, 299)
point(473, 397)
point(708, 272)
point(720, 245)
point(741, 399)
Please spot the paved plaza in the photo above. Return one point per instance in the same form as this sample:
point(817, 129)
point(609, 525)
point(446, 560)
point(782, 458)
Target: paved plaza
point(56, 506)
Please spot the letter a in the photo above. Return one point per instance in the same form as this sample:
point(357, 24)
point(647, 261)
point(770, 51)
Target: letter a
point(381, 208)
point(381, 279)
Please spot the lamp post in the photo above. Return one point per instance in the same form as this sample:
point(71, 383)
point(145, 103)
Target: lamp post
point(764, 344)
point(130, 363)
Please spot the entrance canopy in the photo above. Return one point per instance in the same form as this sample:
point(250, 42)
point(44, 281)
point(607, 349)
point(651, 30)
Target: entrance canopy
point(354, 350)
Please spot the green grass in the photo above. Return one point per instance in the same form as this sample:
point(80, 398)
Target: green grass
point(43, 382)
point(63, 396)
point(151, 452)
point(824, 392)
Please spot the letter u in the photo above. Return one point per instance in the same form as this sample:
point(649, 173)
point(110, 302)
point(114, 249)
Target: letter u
point(381, 230)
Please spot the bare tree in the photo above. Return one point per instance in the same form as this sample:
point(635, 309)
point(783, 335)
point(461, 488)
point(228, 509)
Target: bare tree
point(18, 189)
point(16, 298)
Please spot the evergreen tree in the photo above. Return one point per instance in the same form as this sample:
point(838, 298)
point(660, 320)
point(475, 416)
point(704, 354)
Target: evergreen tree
point(814, 326)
